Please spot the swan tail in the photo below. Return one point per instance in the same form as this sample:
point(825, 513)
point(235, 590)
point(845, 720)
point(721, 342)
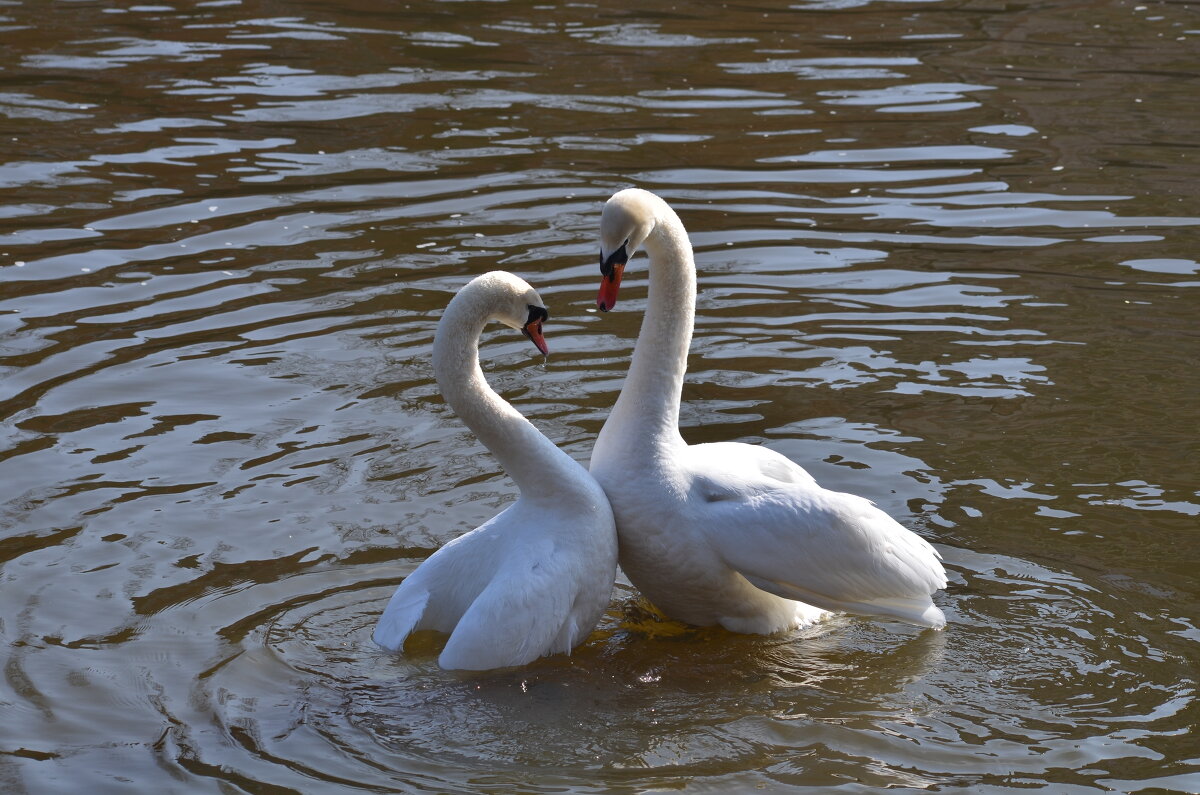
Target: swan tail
point(933, 617)
point(401, 616)
point(920, 611)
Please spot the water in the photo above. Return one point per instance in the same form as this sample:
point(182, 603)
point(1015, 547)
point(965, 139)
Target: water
point(947, 257)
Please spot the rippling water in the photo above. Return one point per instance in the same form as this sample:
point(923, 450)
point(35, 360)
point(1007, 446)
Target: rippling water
point(947, 257)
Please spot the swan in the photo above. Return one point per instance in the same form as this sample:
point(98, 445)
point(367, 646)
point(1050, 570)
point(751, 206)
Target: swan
point(728, 533)
point(534, 579)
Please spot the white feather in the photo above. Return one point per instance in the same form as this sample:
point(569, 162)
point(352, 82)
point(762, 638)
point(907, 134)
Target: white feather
point(534, 579)
point(729, 533)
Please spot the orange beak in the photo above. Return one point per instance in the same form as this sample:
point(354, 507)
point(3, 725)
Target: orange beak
point(610, 284)
point(533, 329)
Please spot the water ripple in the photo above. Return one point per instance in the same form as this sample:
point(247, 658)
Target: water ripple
point(946, 261)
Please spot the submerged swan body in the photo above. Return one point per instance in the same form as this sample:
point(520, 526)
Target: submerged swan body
point(730, 534)
point(534, 579)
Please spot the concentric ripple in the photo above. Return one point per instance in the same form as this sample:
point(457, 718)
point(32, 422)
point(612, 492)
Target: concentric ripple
point(1010, 690)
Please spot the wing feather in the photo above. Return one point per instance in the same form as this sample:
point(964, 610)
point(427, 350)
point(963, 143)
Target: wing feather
point(517, 617)
point(792, 538)
point(401, 616)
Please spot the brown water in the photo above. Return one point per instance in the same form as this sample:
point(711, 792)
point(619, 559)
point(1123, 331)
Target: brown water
point(948, 261)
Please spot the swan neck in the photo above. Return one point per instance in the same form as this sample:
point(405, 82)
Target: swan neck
point(649, 402)
point(523, 452)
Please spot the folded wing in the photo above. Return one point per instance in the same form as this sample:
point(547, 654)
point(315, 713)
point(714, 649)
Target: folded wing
point(774, 525)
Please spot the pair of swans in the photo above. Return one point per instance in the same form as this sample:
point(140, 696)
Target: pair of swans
point(725, 534)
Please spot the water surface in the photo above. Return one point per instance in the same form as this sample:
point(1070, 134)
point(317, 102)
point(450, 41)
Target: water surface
point(947, 260)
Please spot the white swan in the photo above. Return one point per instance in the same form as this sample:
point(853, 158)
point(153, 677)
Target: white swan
point(535, 578)
point(728, 533)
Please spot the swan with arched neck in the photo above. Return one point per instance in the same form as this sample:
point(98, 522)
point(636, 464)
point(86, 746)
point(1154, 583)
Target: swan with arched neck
point(730, 534)
point(534, 579)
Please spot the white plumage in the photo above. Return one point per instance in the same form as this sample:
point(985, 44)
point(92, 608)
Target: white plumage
point(729, 533)
point(535, 578)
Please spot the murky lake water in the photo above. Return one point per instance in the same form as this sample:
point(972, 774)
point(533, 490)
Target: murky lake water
point(948, 261)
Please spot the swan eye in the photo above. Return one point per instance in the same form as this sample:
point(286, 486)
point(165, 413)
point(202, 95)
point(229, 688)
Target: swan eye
point(536, 313)
point(618, 257)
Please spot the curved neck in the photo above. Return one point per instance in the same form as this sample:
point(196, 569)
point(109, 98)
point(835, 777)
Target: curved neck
point(648, 408)
point(523, 452)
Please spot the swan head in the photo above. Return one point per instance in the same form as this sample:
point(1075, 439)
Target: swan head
point(628, 219)
point(515, 304)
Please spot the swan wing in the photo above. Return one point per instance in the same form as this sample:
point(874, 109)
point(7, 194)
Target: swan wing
point(444, 586)
point(770, 521)
point(519, 615)
point(401, 616)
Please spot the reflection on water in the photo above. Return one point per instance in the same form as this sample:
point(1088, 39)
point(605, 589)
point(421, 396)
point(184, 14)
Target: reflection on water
point(947, 261)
